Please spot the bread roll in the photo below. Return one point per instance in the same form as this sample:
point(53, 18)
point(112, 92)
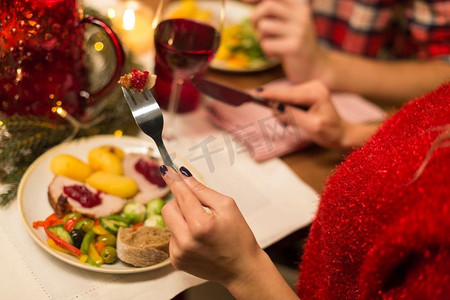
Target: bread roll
point(143, 247)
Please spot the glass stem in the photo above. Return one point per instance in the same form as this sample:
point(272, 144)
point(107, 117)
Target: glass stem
point(172, 108)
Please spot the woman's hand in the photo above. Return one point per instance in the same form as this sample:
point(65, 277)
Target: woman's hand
point(286, 33)
point(216, 243)
point(320, 122)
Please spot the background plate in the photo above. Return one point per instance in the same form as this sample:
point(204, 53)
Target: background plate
point(235, 13)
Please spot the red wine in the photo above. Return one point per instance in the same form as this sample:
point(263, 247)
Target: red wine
point(185, 46)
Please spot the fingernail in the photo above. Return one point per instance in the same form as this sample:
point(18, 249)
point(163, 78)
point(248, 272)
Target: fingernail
point(163, 169)
point(185, 172)
point(260, 89)
point(281, 108)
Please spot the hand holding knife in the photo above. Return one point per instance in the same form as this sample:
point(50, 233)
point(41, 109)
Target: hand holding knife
point(230, 95)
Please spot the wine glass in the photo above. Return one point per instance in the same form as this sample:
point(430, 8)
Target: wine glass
point(186, 36)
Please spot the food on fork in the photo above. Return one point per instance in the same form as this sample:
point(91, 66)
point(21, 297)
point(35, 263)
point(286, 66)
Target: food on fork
point(138, 80)
point(143, 247)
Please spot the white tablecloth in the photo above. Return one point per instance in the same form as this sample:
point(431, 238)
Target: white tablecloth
point(274, 201)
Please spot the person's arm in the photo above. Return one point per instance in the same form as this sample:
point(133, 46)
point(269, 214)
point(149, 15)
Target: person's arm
point(216, 243)
point(396, 81)
point(287, 33)
point(320, 122)
point(264, 282)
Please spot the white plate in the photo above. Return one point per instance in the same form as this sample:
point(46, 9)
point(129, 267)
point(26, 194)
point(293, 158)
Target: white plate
point(235, 13)
point(222, 65)
point(33, 201)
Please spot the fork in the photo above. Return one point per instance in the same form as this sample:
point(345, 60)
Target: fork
point(149, 118)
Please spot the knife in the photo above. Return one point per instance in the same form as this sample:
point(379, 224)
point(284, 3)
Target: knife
point(229, 95)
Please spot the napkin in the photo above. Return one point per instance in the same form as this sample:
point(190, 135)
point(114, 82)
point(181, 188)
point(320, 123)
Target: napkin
point(265, 137)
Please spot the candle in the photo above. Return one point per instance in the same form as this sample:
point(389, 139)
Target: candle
point(133, 23)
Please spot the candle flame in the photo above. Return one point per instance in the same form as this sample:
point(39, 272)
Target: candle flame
point(129, 19)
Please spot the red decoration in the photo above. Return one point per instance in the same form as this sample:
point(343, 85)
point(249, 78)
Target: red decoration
point(378, 232)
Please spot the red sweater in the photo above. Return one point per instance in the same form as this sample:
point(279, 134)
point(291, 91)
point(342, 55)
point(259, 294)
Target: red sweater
point(377, 234)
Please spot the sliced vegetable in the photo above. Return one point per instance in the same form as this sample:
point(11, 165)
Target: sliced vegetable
point(137, 225)
point(112, 223)
point(51, 243)
point(84, 224)
point(99, 246)
point(61, 233)
point(83, 258)
point(98, 229)
point(88, 237)
point(93, 254)
point(72, 215)
point(52, 220)
point(70, 224)
point(91, 262)
point(62, 243)
point(37, 224)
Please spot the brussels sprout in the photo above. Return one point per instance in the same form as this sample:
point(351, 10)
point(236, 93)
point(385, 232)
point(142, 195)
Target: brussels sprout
point(134, 211)
point(154, 206)
point(155, 221)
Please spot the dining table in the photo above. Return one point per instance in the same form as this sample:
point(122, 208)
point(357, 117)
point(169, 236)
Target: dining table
point(313, 164)
point(278, 198)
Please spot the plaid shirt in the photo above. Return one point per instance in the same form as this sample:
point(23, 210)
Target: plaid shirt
point(385, 28)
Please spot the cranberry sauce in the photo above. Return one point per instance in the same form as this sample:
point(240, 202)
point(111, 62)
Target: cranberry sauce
point(139, 79)
point(84, 196)
point(150, 171)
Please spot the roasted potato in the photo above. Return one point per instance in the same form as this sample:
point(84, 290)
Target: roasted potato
point(114, 150)
point(113, 184)
point(103, 159)
point(70, 166)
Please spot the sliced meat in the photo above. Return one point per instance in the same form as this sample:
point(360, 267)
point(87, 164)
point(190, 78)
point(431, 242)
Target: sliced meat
point(63, 204)
point(148, 190)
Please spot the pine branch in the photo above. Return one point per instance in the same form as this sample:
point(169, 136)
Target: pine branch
point(10, 194)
